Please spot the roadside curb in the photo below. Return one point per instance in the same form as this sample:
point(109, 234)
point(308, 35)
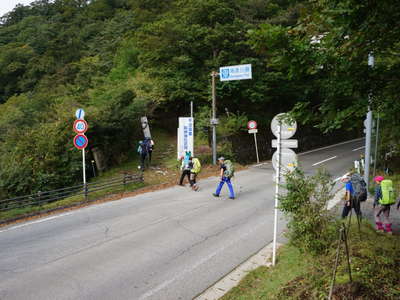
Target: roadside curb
point(229, 281)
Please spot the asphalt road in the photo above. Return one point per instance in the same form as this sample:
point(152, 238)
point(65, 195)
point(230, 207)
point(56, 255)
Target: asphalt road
point(169, 244)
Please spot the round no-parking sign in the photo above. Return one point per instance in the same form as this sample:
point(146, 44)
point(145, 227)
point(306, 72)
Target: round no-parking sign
point(80, 141)
point(251, 125)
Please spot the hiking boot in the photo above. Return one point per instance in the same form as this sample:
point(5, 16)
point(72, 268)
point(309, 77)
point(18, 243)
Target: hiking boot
point(215, 195)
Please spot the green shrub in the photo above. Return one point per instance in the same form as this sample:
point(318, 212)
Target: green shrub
point(310, 225)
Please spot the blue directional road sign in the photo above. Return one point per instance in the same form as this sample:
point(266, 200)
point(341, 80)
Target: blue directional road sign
point(239, 72)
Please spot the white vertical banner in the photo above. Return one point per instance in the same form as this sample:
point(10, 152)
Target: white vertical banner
point(179, 148)
point(145, 127)
point(185, 136)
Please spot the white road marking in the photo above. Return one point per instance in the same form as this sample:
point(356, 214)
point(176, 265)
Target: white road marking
point(261, 164)
point(339, 195)
point(36, 222)
point(359, 148)
point(322, 161)
point(330, 146)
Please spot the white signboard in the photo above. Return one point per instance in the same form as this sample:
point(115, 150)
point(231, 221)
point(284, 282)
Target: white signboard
point(185, 136)
point(145, 127)
point(238, 72)
point(285, 143)
point(253, 130)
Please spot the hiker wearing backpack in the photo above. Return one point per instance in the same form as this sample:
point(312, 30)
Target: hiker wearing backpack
point(186, 166)
point(356, 192)
point(149, 147)
point(226, 173)
point(142, 150)
point(384, 198)
point(194, 171)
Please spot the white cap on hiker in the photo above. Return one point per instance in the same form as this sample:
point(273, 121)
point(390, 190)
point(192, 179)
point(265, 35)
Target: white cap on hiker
point(345, 177)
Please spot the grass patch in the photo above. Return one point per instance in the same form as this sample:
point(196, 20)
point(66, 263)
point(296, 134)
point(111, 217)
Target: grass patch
point(265, 282)
point(375, 265)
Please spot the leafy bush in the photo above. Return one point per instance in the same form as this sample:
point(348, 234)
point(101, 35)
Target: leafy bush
point(310, 226)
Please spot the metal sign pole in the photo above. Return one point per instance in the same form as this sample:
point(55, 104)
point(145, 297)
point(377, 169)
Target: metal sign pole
point(376, 145)
point(84, 167)
point(191, 109)
point(277, 181)
point(255, 141)
point(368, 128)
point(214, 129)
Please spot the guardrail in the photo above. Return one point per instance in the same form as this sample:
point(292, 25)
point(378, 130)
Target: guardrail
point(41, 198)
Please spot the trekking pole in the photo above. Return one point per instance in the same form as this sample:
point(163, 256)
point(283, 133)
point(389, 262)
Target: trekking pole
point(347, 253)
point(350, 215)
point(359, 224)
point(336, 263)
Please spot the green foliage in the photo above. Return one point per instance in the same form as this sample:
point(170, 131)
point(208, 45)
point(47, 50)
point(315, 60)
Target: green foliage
point(310, 226)
point(120, 59)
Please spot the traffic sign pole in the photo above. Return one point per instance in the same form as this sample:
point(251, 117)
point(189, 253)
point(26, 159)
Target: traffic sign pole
point(84, 167)
point(255, 142)
point(80, 141)
point(214, 128)
point(252, 127)
point(277, 181)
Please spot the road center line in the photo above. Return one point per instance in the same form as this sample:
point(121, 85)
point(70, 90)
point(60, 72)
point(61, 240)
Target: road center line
point(359, 148)
point(322, 161)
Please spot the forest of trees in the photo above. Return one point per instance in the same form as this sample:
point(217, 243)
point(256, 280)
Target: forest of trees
point(121, 59)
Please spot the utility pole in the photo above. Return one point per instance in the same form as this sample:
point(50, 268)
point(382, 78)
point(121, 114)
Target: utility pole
point(214, 117)
point(376, 145)
point(191, 109)
point(368, 128)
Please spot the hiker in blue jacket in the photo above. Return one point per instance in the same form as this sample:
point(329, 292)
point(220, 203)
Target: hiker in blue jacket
point(350, 201)
point(225, 178)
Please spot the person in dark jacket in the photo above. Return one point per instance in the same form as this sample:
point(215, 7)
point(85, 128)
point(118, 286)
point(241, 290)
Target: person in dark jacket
point(186, 167)
point(149, 146)
point(142, 151)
